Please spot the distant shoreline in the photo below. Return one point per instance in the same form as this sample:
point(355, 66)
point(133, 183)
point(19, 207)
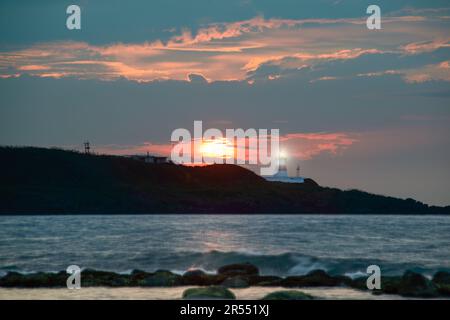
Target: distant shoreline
point(38, 181)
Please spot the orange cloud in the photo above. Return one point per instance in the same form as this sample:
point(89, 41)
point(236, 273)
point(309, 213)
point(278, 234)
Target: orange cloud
point(440, 72)
point(426, 46)
point(32, 68)
point(306, 146)
point(221, 51)
point(297, 60)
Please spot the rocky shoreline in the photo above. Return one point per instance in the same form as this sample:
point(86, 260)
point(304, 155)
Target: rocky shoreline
point(243, 275)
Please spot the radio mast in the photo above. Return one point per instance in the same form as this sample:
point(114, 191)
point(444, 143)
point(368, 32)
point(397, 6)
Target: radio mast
point(87, 147)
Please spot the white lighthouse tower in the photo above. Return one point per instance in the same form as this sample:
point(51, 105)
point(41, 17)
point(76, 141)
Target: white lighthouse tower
point(282, 174)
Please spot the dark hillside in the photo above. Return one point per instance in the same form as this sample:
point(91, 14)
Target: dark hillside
point(37, 180)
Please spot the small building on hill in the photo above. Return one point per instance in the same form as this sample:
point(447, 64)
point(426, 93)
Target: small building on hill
point(282, 174)
point(150, 159)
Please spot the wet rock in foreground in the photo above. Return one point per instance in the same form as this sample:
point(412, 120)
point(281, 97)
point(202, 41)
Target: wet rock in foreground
point(416, 285)
point(34, 280)
point(161, 278)
point(442, 278)
point(288, 295)
point(411, 284)
point(236, 282)
point(316, 278)
point(91, 278)
point(264, 281)
point(212, 292)
point(238, 269)
point(198, 277)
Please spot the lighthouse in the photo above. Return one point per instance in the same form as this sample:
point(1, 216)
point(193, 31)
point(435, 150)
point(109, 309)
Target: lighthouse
point(282, 174)
point(282, 166)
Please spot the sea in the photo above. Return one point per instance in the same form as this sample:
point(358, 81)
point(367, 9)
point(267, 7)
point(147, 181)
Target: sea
point(277, 244)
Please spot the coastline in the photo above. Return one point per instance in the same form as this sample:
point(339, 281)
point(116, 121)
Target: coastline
point(164, 284)
point(128, 185)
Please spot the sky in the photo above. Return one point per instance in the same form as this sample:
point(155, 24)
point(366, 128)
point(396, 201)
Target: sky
point(356, 108)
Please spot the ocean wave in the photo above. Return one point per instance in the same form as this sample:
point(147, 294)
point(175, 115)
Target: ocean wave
point(283, 264)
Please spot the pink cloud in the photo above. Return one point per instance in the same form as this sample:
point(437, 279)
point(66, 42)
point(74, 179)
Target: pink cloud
point(306, 146)
point(438, 72)
point(141, 149)
point(221, 51)
point(431, 72)
point(32, 68)
point(426, 46)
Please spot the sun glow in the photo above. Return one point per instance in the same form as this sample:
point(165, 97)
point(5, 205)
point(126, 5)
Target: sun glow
point(219, 148)
point(283, 154)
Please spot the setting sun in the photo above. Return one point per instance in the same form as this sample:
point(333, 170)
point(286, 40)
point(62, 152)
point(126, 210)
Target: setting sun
point(217, 148)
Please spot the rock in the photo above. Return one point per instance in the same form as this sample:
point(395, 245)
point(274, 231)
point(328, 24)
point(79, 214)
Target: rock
point(236, 282)
point(413, 284)
point(208, 293)
point(320, 278)
point(358, 283)
point(288, 295)
point(194, 277)
point(238, 269)
point(89, 278)
point(194, 273)
point(161, 278)
point(11, 279)
point(136, 273)
point(120, 282)
point(200, 278)
point(389, 284)
point(316, 278)
point(33, 280)
point(442, 281)
point(442, 278)
point(444, 290)
point(95, 278)
point(137, 276)
point(264, 280)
